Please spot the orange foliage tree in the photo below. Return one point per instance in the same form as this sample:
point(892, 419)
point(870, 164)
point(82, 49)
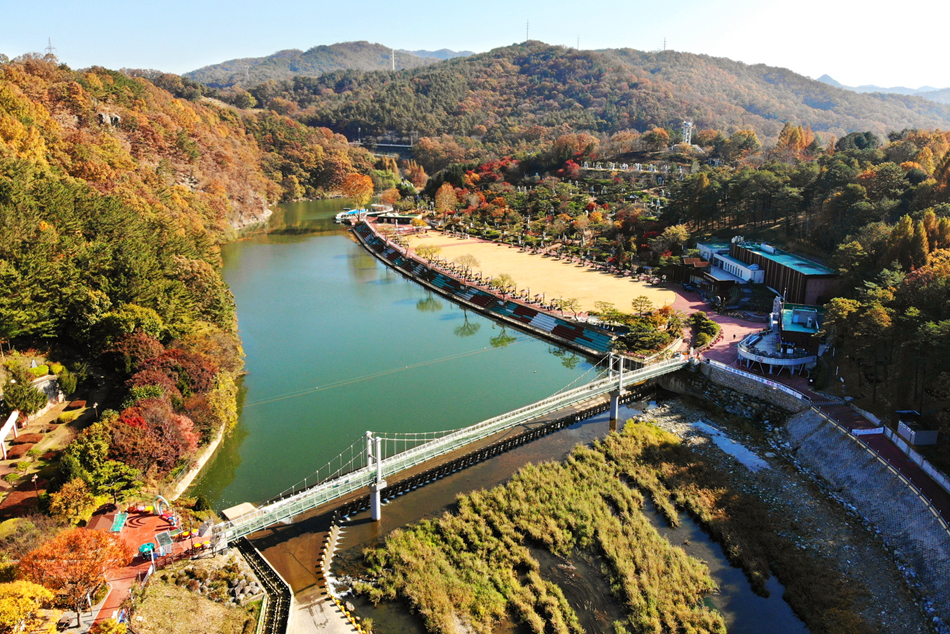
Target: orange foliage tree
point(75, 562)
point(359, 188)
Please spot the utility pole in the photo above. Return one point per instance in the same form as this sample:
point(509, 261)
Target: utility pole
point(392, 58)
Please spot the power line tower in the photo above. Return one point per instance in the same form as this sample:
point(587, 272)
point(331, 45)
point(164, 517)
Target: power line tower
point(50, 49)
point(527, 31)
point(392, 58)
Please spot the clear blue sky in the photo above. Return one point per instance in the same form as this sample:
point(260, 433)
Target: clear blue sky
point(856, 43)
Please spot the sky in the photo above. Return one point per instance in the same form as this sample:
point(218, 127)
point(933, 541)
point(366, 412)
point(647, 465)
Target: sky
point(855, 43)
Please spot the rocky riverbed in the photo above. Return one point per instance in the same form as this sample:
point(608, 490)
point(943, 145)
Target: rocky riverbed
point(883, 588)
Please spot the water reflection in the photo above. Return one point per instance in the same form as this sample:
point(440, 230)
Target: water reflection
point(502, 339)
point(568, 358)
point(468, 328)
point(429, 305)
point(305, 218)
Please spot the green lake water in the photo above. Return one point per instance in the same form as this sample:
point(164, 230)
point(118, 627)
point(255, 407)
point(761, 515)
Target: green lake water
point(338, 344)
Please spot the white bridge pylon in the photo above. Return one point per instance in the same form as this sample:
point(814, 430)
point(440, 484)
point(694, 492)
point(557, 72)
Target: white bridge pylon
point(377, 467)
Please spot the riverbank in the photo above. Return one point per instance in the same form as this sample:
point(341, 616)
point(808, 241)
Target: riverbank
point(847, 566)
point(814, 523)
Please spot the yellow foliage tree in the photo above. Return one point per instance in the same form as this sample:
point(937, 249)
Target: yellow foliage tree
point(359, 188)
point(20, 606)
point(72, 502)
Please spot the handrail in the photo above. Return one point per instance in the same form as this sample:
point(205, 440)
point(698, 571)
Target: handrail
point(285, 509)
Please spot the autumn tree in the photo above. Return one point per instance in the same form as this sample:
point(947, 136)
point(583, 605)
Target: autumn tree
point(445, 199)
point(74, 563)
point(570, 303)
point(503, 282)
point(390, 196)
point(428, 251)
point(656, 139)
point(72, 502)
point(468, 262)
point(359, 188)
point(21, 603)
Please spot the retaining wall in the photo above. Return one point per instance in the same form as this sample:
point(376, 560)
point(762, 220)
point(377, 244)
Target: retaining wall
point(881, 496)
point(735, 394)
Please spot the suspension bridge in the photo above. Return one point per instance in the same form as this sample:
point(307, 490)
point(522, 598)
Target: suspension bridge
point(377, 456)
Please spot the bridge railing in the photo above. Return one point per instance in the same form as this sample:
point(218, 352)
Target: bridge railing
point(298, 503)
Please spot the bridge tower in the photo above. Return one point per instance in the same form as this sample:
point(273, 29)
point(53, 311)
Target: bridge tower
point(374, 454)
point(616, 394)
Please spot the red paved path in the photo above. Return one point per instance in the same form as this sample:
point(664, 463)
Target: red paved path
point(139, 529)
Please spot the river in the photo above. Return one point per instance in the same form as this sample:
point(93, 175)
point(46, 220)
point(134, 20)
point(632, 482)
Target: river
point(338, 344)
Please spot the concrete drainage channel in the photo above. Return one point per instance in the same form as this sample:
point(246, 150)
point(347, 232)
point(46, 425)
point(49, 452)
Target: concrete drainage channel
point(362, 503)
point(275, 612)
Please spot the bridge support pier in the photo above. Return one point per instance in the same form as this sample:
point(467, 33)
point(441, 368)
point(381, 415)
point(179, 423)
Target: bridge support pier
point(375, 501)
point(614, 409)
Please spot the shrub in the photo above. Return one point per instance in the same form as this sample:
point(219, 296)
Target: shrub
point(56, 368)
point(701, 340)
point(18, 451)
point(68, 417)
point(201, 503)
point(40, 370)
point(67, 381)
point(108, 626)
point(23, 397)
point(28, 438)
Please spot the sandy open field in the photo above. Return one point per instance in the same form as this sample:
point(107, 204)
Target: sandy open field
point(540, 274)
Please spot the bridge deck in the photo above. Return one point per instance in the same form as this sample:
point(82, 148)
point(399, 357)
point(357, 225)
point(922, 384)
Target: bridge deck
point(309, 530)
point(284, 510)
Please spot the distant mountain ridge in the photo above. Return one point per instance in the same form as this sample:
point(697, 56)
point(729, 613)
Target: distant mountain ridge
point(940, 95)
point(442, 53)
point(286, 64)
point(512, 96)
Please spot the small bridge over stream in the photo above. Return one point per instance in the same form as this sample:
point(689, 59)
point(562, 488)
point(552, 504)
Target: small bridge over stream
point(369, 461)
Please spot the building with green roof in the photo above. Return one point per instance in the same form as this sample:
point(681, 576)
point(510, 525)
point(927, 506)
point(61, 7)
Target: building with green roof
point(798, 280)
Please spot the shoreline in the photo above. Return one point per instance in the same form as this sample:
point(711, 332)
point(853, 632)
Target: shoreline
point(177, 488)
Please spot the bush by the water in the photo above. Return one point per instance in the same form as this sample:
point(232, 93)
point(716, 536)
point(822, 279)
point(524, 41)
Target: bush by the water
point(469, 570)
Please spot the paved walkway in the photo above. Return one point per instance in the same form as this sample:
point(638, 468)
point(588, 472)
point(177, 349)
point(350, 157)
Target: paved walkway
point(733, 328)
point(139, 529)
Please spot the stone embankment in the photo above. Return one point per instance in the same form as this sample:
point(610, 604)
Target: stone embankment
point(881, 496)
point(735, 394)
point(853, 473)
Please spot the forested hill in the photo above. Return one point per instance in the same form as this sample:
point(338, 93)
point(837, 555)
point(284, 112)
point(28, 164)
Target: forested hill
point(764, 97)
point(512, 96)
point(250, 71)
point(114, 195)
